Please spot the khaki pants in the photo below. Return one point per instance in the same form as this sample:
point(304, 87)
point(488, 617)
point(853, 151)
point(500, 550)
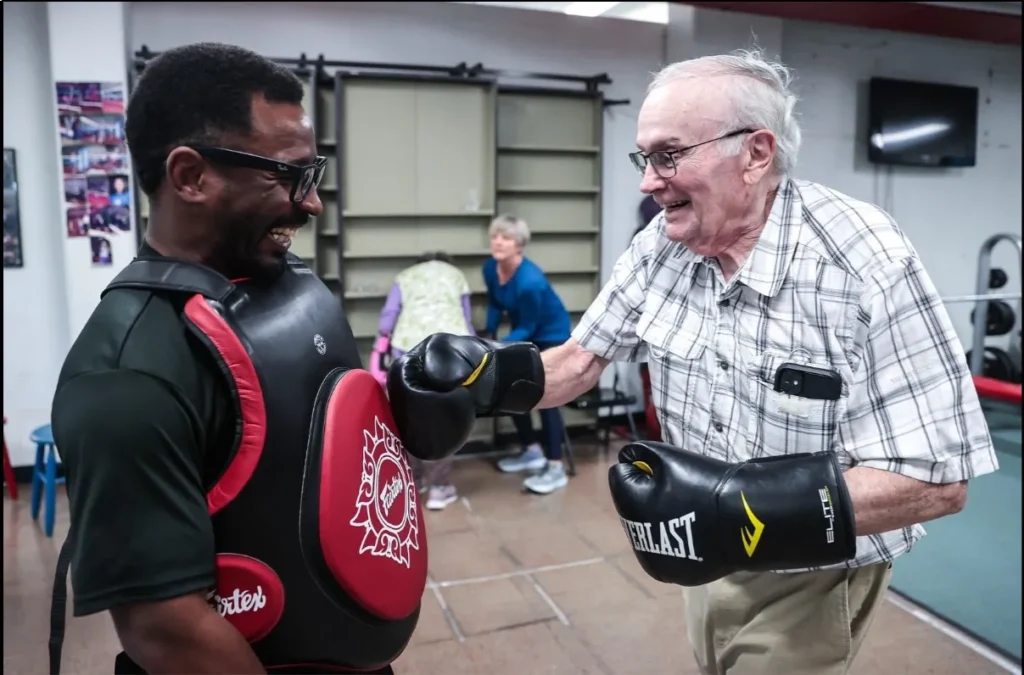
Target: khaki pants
point(764, 623)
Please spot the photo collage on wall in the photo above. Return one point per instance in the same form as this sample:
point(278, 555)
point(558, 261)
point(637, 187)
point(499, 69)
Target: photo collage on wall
point(12, 212)
point(97, 191)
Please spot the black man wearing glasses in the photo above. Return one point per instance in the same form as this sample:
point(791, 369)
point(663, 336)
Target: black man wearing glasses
point(239, 500)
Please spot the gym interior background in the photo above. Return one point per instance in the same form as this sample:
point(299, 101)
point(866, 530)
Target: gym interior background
point(552, 149)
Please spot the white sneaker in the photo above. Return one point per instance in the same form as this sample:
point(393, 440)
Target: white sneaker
point(552, 478)
point(441, 497)
point(527, 460)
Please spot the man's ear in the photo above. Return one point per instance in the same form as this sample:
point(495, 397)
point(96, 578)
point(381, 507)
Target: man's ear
point(188, 175)
point(761, 149)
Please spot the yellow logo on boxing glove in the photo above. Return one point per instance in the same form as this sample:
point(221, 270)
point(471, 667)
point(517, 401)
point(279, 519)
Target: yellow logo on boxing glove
point(750, 538)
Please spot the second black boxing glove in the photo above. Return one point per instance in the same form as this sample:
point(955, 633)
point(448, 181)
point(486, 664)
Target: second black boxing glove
point(439, 387)
point(693, 519)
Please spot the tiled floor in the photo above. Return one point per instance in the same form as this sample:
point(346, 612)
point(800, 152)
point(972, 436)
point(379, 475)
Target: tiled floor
point(519, 584)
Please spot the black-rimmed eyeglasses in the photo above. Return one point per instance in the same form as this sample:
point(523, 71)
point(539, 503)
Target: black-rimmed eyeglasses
point(304, 177)
point(664, 161)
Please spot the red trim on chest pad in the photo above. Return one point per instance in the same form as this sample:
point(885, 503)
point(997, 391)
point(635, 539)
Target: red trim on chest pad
point(250, 397)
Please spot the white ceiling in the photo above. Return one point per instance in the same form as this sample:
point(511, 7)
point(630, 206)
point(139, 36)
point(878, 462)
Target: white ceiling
point(657, 12)
point(653, 12)
point(996, 7)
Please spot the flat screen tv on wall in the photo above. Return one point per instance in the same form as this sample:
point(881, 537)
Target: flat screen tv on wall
point(922, 123)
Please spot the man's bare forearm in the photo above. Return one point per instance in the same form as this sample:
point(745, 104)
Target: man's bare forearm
point(569, 371)
point(184, 636)
point(884, 501)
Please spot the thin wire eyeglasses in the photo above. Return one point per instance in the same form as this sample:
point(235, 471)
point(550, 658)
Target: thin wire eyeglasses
point(664, 161)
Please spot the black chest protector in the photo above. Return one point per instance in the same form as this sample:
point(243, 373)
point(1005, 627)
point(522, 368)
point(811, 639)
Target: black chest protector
point(321, 550)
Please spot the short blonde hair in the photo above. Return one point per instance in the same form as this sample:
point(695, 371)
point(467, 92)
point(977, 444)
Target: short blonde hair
point(510, 226)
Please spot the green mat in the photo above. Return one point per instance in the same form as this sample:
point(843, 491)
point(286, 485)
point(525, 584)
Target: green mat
point(967, 570)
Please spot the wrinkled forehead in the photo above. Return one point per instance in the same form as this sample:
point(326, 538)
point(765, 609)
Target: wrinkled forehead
point(681, 113)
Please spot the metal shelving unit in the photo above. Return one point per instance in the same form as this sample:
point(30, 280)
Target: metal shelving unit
point(549, 172)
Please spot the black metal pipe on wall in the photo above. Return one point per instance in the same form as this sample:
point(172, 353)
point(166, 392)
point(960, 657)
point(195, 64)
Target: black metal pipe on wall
point(458, 71)
point(339, 132)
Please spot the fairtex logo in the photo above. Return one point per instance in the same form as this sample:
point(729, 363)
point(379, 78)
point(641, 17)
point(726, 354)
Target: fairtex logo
point(240, 601)
point(386, 505)
point(391, 492)
point(249, 594)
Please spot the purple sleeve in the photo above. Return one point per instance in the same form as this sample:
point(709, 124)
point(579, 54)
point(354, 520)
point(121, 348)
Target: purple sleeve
point(468, 312)
point(392, 306)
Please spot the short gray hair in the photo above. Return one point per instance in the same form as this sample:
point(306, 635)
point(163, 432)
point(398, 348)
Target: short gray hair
point(761, 98)
point(510, 226)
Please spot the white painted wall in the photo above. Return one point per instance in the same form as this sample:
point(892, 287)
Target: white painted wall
point(35, 306)
point(947, 213)
point(106, 62)
point(48, 301)
point(693, 32)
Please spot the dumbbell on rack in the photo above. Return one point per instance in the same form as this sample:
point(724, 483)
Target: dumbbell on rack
point(1000, 319)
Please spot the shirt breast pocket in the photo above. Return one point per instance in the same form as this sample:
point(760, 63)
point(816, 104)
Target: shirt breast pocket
point(675, 356)
point(782, 424)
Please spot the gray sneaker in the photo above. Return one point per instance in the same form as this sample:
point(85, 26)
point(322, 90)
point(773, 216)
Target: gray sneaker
point(441, 497)
point(552, 478)
point(527, 460)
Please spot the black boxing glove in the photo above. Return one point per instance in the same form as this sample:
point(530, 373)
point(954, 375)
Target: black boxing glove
point(442, 385)
point(693, 519)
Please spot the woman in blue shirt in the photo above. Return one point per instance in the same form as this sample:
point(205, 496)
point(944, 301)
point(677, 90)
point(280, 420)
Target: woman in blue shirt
point(516, 286)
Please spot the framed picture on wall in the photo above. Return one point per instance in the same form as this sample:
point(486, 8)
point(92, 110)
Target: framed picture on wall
point(12, 212)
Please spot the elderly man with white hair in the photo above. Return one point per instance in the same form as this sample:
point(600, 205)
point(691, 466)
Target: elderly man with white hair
point(813, 396)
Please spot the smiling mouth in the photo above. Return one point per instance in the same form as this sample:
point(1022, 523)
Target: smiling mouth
point(677, 205)
point(282, 236)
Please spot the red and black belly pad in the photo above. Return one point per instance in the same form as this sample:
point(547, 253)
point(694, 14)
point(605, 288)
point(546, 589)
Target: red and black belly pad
point(321, 550)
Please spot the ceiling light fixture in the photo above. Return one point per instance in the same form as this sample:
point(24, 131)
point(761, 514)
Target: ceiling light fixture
point(589, 8)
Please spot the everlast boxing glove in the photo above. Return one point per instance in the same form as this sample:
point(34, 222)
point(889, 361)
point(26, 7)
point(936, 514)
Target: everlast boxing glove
point(693, 519)
point(439, 388)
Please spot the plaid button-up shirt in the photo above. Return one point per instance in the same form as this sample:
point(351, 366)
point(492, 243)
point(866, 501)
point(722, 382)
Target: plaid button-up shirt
point(834, 283)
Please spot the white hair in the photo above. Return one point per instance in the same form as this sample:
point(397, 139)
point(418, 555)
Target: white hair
point(760, 98)
point(512, 227)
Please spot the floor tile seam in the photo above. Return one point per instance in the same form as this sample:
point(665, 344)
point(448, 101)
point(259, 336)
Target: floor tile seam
point(526, 571)
point(937, 624)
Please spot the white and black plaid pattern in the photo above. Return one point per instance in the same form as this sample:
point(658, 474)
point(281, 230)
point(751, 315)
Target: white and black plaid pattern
point(832, 283)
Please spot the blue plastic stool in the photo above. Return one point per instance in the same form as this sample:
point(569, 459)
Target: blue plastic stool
point(44, 476)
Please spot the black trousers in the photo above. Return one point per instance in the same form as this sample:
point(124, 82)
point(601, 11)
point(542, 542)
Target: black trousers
point(551, 423)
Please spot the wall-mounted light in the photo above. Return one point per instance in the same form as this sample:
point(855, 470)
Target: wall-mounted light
point(588, 8)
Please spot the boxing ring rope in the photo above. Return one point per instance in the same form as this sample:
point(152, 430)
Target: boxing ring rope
point(998, 390)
